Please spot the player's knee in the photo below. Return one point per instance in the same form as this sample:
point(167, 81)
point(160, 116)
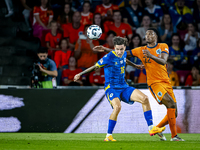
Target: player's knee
point(117, 108)
point(172, 104)
point(145, 99)
point(176, 114)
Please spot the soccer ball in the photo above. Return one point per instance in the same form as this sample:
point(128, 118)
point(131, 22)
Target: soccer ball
point(94, 32)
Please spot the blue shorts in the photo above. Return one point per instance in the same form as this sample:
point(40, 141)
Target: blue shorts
point(123, 94)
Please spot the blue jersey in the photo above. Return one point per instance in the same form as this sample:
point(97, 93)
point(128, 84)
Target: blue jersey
point(114, 70)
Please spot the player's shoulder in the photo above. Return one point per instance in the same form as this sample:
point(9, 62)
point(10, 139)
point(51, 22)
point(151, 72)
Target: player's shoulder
point(140, 48)
point(109, 55)
point(163, 45)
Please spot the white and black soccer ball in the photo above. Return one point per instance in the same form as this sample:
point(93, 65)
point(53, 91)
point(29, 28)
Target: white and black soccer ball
point(94, 32)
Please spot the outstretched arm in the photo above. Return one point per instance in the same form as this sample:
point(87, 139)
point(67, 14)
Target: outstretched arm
point(160, 60)
point(77, 76)
point(128, 62)
point(101, 48)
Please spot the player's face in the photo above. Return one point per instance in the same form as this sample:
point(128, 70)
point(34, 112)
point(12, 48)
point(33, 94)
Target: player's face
point(67, 9)
point(97, 19)
point(119, 50)
point(42, 56)
point(150, 36)
point(117, 17)
point(134, 2)
point(86, 7)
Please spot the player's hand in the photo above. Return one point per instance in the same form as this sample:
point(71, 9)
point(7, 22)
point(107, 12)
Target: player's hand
point(140, 66)
point(99, 48)
point(147, 53)
point(76, 77)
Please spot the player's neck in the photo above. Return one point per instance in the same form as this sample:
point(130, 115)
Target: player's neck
point(153, 44)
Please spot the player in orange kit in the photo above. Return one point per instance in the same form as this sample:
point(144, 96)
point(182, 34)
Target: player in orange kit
point(154, 57)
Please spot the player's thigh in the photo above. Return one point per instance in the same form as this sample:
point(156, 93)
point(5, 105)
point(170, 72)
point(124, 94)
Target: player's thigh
point(158, 91)
point(125, 95)
point(169, 99)
point(113, 96)
point(138, 96)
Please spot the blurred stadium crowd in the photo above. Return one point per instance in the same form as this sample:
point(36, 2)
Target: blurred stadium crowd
point(61, 26)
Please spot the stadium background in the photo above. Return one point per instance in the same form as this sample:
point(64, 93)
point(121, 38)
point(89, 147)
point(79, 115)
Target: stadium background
point(79, 109)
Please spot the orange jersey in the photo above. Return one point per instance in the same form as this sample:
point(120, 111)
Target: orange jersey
point(103, 9)
point(53, 40)
point(155, 72)
point(44, 14)
point(86, 18)
point(71, 33)
point(123, 30)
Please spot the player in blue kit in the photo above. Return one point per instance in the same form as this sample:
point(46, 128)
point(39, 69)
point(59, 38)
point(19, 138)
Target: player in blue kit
point(116, 88)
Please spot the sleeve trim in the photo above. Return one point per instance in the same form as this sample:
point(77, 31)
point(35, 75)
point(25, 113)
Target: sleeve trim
point(131, 53)
point(164, 52)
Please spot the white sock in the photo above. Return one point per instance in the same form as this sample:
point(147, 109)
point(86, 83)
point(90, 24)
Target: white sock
point(108, 135)
point(150, 127)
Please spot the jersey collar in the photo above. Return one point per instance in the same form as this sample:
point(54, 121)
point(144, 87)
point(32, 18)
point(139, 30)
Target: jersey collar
point(153, 46)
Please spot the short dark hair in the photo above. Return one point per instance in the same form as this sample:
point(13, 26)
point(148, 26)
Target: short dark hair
point(42, 50)
point(117, 40)
point(156, 31)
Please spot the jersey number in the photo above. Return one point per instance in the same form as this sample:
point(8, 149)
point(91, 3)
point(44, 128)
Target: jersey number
point(122, 69)
point(147, 60)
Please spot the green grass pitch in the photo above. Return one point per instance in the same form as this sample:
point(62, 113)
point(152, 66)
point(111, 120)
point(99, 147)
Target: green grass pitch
point(74, 141)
